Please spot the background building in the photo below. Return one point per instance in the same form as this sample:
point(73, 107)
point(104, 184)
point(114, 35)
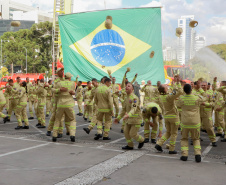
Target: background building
point(186, 41)
point(200, 42)
point(169, 54)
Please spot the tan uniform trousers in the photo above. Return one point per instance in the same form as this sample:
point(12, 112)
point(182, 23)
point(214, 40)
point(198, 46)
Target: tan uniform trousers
point(172, 125)
point(7, 103)
point(141, 100)
point(116, 105)
point(94, 118)
point(21, 113)
point(131, 132)
point(79, 101)
point(154, 128)
point(123, 122)
point(12, 106)
point(219, 122)
point(89, 112)
point(69, 120)
point(32, 104)
point(207, 123)
point(48, 105)
point(52, 120)
point(1, 109)
point(195, 136)
point(107, 123)
point(41, 114)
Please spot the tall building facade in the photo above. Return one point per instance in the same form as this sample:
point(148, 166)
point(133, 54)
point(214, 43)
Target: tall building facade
point(200, 42)
point(186, 41)
point(169, 54)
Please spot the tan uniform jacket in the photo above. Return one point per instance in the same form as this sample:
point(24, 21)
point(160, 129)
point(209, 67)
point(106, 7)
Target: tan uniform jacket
point(132, 108)
point(103, 99)
point(21, 96)
point(2, 97)
point(41, 93)
point(149, 93)
point(147, 114)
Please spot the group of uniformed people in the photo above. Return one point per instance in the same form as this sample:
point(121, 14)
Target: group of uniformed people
point(185, 107)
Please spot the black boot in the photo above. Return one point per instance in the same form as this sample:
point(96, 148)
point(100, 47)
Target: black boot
point(218, 134)
point(127, 147)
point(86, 130)
point(203, 130)
point(85, 119)
point(47, 115)
point(122, 131)
point(98, 136)
point(106, 138)
point(140, 145)
point(39, 124)
point(48, 133)
point(153, 141)
point(223, 140)
point(26, 127)
point(142, 124)
point(191, 142)
point(18, 128)
point(68, 133)
point(158, 147)
point(59, 135)
point(6, 119)
point(54, 139)
point(31, 118)
point(183, 158)
point(214, 144)
point(173, 152)
point(146, 140)
point(198, 158)
point(72, 138)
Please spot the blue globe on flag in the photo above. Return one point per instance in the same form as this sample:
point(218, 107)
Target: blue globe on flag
point(108, 48)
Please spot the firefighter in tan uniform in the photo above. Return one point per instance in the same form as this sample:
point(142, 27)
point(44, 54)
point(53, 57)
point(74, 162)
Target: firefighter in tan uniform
point(190, 122)
point(149, 92)
point(104, 101)
point(60, 74)
point(41, 94)
point(48, 98)
point(122, 97)
point(88, 105)
point(115, 88)
point(12, 101)
point(91, 97)
point(7, 95)
point(2, 104)
point(79, 96)
point(222, 106)
point(171, 116)
point(21, 112)
point(131, 113)
point(65, 106)
point(206, 115)
point(151, 110)
point(32, 99)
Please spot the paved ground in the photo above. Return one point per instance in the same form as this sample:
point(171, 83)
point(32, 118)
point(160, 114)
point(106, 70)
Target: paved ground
point(28, 157)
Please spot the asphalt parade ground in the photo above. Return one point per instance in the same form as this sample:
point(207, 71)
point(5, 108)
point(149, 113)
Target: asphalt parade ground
point(29, 157)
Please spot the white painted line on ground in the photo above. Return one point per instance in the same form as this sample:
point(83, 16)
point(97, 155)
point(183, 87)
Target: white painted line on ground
point(37, 129)
point(104, 169)
point(207, 150)
point(22, 150)
point(23, 139)
point(82, 125)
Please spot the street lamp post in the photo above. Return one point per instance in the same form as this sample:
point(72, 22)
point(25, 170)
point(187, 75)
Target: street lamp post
point(26, 58)
point(1, 50)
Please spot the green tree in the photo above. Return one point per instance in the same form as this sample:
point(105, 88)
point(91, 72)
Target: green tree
point(37, 41)
point(219, 49)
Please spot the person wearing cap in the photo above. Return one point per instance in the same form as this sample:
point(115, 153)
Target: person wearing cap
point(65, 106)
point(104, 101)
point(41, 93)
point(60, 74)
point(49, 97)
point(79, 96)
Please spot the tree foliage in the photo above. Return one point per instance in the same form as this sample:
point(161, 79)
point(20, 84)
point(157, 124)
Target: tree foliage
point(219, 49)
point(37, 41)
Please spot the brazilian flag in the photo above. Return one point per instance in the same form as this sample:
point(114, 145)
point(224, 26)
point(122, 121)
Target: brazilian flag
point(90, 50)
